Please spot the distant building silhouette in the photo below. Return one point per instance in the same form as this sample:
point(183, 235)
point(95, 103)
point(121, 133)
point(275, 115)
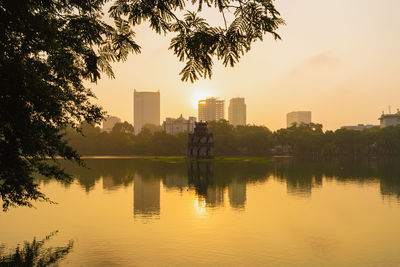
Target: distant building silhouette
point(359, 127)
point(200, 142)
point(298, 117)
point(390, 119)
point(211, 109)
point(175, 126)
point(146, 109)
point(146, 199)
point(109, 123)
point(237, 111)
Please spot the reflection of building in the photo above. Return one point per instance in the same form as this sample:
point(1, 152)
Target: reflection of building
point(390, 119)
point(237, 111)
point(146, 109)
point(359, 127)
point(237, 194)
point(175, 181)
point(215, 196)
point(146, 196)
point(109, 122)
point(298, 117)
point(299, 187)
point(211, 109)
point(179, 125)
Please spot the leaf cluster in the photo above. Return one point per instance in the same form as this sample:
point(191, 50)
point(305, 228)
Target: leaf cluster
point(36, 254)
point(48, 49)
point(196, 42)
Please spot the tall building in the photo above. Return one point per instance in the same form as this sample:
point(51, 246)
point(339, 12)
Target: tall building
point(146, 109)
point(237, 111)
point(298, 117)
point(390, 119)
point(109, 123)
point(211, 109)
point(175, 126)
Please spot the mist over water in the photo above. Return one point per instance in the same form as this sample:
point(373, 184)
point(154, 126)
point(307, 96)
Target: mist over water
point(127, 212)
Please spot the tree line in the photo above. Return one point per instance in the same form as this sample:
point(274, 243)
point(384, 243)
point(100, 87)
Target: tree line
point(249, 140)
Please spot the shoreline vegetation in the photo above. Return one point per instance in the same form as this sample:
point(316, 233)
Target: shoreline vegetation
point(238, 143)
point(178, 159)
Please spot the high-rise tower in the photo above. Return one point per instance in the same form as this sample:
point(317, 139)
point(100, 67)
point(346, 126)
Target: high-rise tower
point(211, 109)
point(146, 109)
point(298, 117)
point(237, 111)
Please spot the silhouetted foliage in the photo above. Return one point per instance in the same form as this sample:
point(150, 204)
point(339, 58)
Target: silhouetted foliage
point(36, 254)
point(49, 48)
point(249, 140)
point(196, 41)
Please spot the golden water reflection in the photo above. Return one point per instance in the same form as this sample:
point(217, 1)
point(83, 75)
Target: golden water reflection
point(124, 212)
point(214, 183)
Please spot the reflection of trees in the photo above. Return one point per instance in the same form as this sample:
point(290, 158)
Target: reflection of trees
point(302, 176)
point(36, 254)
point(210, 180)
point(115, 172)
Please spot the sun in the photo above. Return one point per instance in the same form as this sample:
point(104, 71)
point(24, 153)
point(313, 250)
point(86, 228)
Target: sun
point(200, 92)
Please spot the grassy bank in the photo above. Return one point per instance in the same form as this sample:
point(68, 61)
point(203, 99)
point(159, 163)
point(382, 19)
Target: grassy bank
point(178, 159)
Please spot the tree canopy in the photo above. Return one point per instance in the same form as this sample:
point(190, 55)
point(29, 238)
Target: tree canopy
point(49, 48)
point(250, 140)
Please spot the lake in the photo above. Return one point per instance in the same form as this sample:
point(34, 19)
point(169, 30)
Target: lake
point(133, 212)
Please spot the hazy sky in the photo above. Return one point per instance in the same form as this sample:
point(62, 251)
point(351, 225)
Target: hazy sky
point(340, 59)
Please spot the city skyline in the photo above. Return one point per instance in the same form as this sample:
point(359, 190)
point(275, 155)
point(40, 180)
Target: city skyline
point(334, 68)
point(225, 109)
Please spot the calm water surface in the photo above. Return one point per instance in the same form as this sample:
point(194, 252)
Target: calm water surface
point(130, 212)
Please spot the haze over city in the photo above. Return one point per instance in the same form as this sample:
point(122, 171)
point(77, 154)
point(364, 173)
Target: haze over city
point(339, 59)
point(290, 158)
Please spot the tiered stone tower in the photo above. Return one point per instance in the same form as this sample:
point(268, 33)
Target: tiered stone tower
point(201, 143)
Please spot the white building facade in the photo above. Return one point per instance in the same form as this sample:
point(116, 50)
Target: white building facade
point(146, 109)
point(175, 126)
point(359, 127)
point(298, 117)
point(211, 109)
point(390, 119)
point(109, 123)
point(237, 111)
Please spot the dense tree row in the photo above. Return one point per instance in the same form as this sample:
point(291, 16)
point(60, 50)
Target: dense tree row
point(247, 140)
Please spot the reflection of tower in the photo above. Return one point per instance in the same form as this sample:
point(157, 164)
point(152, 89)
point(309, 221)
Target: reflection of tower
point(237, 194)
point(200, 175)
point(146, 196)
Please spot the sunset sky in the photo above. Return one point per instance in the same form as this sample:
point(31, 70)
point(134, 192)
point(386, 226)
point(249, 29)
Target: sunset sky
point(340, 59)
